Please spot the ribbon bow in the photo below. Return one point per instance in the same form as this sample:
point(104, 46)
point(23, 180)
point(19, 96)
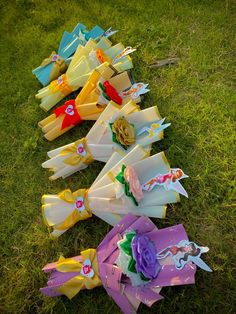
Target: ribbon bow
point(61, 84)
point(82, 210)
point(88, 274)
point(58, 65)
point(71, 115)
point(77, 153)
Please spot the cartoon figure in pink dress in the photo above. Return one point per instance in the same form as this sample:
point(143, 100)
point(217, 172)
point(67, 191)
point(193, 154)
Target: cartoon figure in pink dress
point(185, 252)
point(170, 181)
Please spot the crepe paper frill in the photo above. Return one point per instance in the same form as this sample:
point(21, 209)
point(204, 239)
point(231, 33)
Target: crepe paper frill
point(57, 63)
point(116, 127)
point(93, 55)
point(67, 276)
point(92, 100)
point(107, 197)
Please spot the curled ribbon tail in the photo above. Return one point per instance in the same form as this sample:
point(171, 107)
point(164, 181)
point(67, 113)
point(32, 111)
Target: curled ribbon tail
point(66, 196)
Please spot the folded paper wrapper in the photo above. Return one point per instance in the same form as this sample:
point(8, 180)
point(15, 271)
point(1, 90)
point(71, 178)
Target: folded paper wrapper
point(46, 72)
point(86, 103)
point(99, 142)
point(118, 286)
point(102, 198)
point(80, 68)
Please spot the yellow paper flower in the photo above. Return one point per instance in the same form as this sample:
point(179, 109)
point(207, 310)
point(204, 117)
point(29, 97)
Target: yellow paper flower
point(124, 131)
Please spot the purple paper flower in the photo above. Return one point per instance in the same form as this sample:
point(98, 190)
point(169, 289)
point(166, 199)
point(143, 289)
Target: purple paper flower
point(144, 253)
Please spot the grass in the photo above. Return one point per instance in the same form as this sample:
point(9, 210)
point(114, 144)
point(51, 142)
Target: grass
point(197, 96)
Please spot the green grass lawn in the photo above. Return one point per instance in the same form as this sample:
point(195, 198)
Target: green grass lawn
point(197, 96)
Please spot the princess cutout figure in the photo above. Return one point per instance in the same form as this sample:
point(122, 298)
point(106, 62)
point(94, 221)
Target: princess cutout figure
point(168, 180)
point(185, 252)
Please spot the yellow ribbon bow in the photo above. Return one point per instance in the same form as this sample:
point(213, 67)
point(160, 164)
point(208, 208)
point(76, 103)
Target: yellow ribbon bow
point(83, 280)
point(77, 153)
point(58, 65)
point(61, 84)
point(82, 210)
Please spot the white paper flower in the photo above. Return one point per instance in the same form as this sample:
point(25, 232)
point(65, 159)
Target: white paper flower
point(80, 150)
point(55, 57)
point(79, 204)
point(69, 110)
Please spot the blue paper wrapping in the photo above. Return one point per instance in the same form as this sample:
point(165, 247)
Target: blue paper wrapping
point(67, 47)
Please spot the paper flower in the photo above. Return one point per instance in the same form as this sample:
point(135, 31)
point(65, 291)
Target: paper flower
point(141, 255)
point(79, 204)
point(101, 56)
point(81, 150)
point(123, 131)
point(134, 184)
point(144, 253)
point(110, 93)
point(130, 181)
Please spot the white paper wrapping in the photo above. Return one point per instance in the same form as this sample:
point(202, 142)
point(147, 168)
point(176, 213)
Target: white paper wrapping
point(102, 195)
point(99, 139)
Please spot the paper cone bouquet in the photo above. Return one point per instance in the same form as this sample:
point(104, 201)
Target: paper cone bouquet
point(136, 183)
point(133, 263)
point(116, 129)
